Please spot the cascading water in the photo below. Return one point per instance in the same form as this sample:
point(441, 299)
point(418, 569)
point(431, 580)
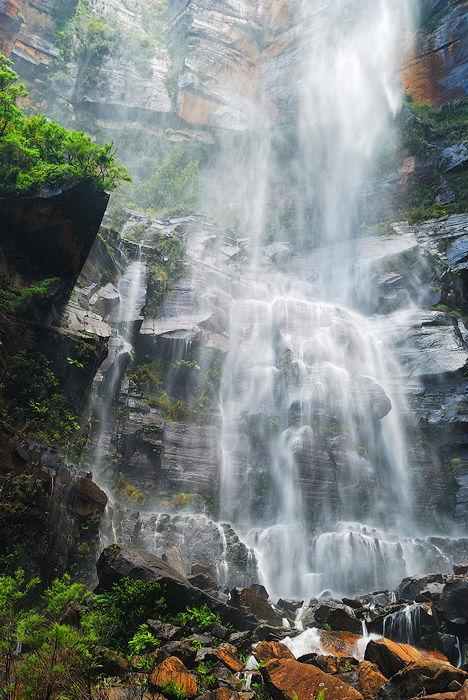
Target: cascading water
point(132, 290)
point(314, 466)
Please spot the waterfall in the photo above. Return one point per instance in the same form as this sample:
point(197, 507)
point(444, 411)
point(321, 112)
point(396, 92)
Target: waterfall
point(315, 473)
point(132, 290)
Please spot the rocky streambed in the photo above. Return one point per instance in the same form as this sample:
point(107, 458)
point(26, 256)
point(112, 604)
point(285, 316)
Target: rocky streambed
point(347, 649)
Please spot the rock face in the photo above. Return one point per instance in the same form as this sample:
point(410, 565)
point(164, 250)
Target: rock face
point(433, 75)
point(55, 232)
point(421, 678)
point(47, 514)
point(283, 677)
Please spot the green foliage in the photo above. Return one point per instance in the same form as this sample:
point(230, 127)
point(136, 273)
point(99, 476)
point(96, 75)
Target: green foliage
point(208, 680)
point(117, 615)
point(168, 267)
point(36, 153)
point(172, 691)
point(172, 410)
point(143, 641)
point(36, 403)
point(58, 658)
point(198, 618)
point(31, 298)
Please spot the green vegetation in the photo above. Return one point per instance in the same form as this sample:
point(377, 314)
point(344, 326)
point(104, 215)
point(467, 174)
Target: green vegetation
point(34, 401)
point(172, 691)
point(166, 268)
point(61, 662)
point(37, 153)
point(131, 493)
point(199, 618)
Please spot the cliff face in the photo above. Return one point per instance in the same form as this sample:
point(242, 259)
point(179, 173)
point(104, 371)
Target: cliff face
point(438, 67)
point(46, 375)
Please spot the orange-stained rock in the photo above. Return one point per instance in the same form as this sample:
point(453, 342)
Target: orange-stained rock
point(172, 669)
point(390, 657)
point(10, 24)
point(227, 653)
point(421, 678)
point(265, 651)
point(370, 680)
point(463, 693)
point(338, 643)
point(224, 694)
point(285, 677)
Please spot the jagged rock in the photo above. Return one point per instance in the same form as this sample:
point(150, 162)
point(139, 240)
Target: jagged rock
point(453, 601)
point(179, 649)
point(265, 651)
point(174, 558)
point(225, 677)
point(370, 680)
point(110, 663)
point(172, 669)
point(460, 569)
point(166, 632)
point(116, 562)
point(225, 653)
point(206, 583)
point(329, 664)
point(338, 616)
point(54, 231)
point(412, 586)
point(390, 657)
point(105, 299)
point(290, 607)
point(87, 500)
point(256, 603)
point(463, 693)
point(421, 678)
point(285, 676)
point(242, 641)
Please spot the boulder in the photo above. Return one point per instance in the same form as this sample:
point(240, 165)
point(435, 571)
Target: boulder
point(166, 632)
point(370, 680)
point(460, 569)
point(453, 601)
point(329, 664)
point(225, 677)
point(256, 603)
point(422, 678)
point(179, 649)
point(290, 607)
point(411, 586)
point(111, 664)
point(87, 500)
point(225, 653)
point(284, 677)
point(119, 561)
point(338, 616)
point(265, 651)
point(172, 669)
point(390, 657)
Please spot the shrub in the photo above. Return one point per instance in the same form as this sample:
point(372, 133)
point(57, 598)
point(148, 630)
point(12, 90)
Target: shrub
point(37, 153)
point(199, 618)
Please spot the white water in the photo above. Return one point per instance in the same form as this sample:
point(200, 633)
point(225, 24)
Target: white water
point(312, 403)
point(132, 292)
